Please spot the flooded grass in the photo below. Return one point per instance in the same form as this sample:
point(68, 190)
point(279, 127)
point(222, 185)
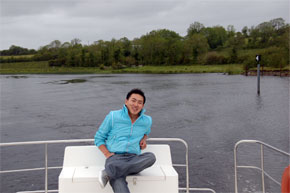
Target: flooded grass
point(43, 68)
point(72, 81)
point(17, 77)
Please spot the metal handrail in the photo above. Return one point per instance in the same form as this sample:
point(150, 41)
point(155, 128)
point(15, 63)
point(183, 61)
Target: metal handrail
point(263, 173)
point(46, 168)
point(186, 156)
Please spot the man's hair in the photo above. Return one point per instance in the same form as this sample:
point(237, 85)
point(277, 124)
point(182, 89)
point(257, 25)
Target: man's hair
point(136, 91)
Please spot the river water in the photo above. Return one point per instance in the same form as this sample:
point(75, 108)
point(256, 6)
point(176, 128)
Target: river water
point(209, 111)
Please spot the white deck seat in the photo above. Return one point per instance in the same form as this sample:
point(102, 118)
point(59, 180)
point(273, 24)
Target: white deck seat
point(82, 164)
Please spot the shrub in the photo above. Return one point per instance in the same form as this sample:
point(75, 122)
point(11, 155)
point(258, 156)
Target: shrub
point(102, 67)
point(129, 61)
point(248, 63)
point(214, 58)
point(117, 66)
point(275, 57)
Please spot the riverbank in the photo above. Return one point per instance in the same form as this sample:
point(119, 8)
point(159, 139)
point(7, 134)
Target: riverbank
point(283, 73)
point(44, 68)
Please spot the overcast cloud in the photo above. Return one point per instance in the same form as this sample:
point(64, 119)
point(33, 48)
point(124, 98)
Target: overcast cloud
point(35, 23)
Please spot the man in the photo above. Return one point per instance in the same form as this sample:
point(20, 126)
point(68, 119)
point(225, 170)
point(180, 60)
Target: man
point(121, 137)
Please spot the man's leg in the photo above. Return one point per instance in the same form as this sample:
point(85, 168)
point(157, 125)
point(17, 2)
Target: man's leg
point(119, 166)
point(140, 162)
point(126, 164)
point(115, 165)
point(120, 185)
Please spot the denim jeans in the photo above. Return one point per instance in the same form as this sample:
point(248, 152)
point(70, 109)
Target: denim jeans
point(119, 166)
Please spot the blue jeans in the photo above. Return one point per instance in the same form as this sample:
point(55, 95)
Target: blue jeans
point(119, 166)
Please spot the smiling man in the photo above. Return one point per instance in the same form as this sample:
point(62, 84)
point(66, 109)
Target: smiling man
point(121, 137)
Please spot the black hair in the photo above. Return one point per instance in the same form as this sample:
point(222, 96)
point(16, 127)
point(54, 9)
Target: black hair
point(136, 91)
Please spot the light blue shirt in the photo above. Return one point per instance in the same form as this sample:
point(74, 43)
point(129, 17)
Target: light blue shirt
point(119, 134)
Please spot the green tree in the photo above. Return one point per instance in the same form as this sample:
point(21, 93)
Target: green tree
point(195, 28)
point(17, 50)
point(277, 23)
point(160, 47)
point(126, 46)
point(54, 44)
point(231, 32)
point(194, 46)
point(75, 42)
point(245, 31)
point(216, 36)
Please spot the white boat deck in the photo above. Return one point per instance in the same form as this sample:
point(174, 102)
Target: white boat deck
point(153, 174)
point(164, 171)
point(82, 165)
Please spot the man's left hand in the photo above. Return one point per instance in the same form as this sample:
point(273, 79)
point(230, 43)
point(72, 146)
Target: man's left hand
point(143, 143)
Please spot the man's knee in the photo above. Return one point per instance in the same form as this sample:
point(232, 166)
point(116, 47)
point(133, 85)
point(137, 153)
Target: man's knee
point(151, 157)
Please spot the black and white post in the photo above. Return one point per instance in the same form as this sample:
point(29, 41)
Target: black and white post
point(258, 59)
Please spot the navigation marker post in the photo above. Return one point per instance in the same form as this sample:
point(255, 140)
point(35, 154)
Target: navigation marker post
point(258, 59)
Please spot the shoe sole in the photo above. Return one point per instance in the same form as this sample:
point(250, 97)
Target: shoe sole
point(100, 180)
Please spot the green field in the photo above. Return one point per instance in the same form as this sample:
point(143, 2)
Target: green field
point(17, 56)
point(229, 69)
point(43, 68)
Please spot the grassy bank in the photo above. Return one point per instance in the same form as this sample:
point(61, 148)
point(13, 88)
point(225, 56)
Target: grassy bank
point(17, 56)
point(43, 68)
point(230, 69)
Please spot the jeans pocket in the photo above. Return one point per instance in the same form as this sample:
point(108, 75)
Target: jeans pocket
point(111, 157)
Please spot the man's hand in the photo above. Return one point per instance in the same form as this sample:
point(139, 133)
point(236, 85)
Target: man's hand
point(105, 151)
point(109, 154)
point(143, 143)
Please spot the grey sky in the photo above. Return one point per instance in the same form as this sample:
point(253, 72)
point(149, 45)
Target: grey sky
point(35, 23)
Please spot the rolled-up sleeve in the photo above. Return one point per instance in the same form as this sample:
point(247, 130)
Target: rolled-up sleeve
point(103, 131)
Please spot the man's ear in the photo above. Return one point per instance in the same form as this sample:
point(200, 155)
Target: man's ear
point(126, 101)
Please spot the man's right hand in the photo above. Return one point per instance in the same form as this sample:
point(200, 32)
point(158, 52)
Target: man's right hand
point(105, 151)
point(109, 154)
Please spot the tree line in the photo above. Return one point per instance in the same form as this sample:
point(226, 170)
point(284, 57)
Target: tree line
point(17, 50)
point(201, 45)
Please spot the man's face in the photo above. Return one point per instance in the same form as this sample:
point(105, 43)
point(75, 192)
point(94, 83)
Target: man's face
point(135, 104)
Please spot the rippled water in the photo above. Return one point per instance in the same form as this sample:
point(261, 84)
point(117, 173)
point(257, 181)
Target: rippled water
point(210, 111)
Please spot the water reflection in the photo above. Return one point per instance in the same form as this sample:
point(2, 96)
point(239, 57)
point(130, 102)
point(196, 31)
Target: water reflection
point(72, 81)
point(17, 77)
point(259, 102)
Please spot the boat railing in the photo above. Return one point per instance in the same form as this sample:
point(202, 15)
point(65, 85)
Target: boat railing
point(46, 167)
point(261, 168)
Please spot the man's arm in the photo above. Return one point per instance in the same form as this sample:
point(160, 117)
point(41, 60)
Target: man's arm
point(105, 151)
point(143, 142)
point(103, 131)
point(102, 134)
